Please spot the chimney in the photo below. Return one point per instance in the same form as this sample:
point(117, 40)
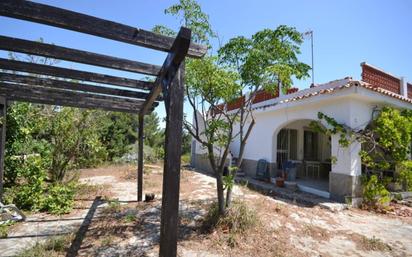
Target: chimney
point(404, 87)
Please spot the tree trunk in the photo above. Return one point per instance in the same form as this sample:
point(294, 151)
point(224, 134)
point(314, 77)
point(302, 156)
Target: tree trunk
point(228, 197)
point(220, 193)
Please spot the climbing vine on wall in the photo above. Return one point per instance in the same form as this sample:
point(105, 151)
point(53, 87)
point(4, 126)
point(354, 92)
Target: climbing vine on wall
point(386, 143)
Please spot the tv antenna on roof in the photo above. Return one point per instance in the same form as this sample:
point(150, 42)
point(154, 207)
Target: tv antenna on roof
point(307, 34)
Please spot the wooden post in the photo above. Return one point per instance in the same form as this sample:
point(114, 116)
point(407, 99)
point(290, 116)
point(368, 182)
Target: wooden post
point(171, 177)
point(140, 160)
point(3, 109)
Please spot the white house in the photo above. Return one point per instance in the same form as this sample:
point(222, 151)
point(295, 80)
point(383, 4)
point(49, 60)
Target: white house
point(282, 131)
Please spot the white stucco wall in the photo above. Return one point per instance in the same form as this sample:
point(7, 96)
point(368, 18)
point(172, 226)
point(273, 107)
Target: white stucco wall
point(351, 106)
point(262, 142)
point(300, 126)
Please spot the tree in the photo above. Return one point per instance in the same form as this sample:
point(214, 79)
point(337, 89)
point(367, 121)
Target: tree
point(117, 132)
point(208, 86)
point(154, 137)
point(73, 141)
point(263, 62)
point(192, 17)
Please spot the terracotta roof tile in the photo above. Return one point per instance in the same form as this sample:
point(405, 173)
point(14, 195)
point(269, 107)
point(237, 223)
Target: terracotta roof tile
point(332, 87)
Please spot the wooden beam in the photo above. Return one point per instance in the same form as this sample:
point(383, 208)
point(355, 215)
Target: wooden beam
point(170, 66)
point(21, 91)
point(73, 74)
point(65, 102)
point(171, 175)
point(3, 110)
point(61, 84)
point(57, 17)
point(140, 160)
point(74, 55)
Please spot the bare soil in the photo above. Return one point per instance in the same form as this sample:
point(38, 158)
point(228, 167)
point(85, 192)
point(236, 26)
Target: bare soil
point(124, 227)
point(286, 228)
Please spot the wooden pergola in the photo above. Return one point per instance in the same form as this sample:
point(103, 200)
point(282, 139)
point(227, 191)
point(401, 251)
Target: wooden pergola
point(106, 92)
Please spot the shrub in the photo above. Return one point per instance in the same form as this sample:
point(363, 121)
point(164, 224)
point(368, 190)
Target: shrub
point(28, 193)
point(33, 193)
point(405, 175)
point(160, 152)
point(186, 158)
point(149, 154)
point(113, 206)
point(371, 244)
point(4, 229)
point(238, 218)
point(130, 217)
point(59, 199)
point(374, 192)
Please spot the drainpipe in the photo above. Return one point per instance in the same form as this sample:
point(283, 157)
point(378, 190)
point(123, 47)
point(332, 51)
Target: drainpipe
point(403, 87)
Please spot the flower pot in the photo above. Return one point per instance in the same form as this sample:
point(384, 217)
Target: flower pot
point(280, 182)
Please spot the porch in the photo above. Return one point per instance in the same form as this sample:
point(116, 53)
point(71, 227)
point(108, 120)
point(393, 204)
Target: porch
point(310, 153)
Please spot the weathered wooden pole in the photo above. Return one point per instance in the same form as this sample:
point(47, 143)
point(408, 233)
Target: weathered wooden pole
point(140, 159)
point(171, 176)
point(3, 109)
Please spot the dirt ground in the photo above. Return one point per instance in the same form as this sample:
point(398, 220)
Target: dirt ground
point(123, 227)
point(287, 229)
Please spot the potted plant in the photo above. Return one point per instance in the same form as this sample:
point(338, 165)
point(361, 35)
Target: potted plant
point(280, 180)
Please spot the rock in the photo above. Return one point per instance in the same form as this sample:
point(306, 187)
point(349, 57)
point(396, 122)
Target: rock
point(334, 207)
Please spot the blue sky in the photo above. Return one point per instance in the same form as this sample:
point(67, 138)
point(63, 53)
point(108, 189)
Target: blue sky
point(346, 33)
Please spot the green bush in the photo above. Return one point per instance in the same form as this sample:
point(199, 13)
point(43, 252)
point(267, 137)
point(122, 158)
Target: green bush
point(52, 198)
point(59, 198)
point(44, 144)
point(4, 229)
point(405, 175)
point(31, 192)
point(28, 193)
point(186, 158)
point(160, 152)
point(374, 192)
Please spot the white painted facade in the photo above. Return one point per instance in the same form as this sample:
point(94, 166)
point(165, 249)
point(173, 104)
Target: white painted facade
point(353, 106)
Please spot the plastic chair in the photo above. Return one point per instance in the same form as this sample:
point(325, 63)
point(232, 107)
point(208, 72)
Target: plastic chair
point(262, 170)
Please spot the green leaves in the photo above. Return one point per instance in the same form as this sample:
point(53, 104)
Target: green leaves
point(386, 145)
point(59, 199)
point(204, 77)
point(394, 131)
point(235, 52)
point(266, 59)
point(405, 175)
point(163, 30)
point(192, 17)
point(374, 192)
